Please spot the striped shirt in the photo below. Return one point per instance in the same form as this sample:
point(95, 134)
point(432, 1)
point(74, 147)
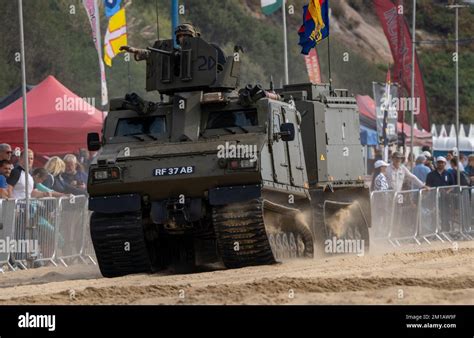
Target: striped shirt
point(381, 183)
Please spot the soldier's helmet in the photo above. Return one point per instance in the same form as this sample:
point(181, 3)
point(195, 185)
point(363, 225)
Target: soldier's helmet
point(186, 29)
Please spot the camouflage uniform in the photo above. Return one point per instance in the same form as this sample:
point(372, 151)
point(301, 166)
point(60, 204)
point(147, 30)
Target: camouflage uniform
point(186, 29)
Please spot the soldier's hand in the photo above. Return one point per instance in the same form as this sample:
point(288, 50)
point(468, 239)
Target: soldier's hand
point(138, 54)
point(128, 49)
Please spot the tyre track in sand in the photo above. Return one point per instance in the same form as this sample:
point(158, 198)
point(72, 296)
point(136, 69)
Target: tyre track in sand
point(266, 289)
point(434, 275)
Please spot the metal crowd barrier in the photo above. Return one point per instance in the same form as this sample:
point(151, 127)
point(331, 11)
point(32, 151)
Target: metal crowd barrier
point(468, 208)
point(1, 213)
point(71, 228)
point(2, 256)
point(380, 202)
point(444, 213)
point(20, 245)
point(452, 202)
point(59, 228)
point(405, 216)
point(61, 233)
point(43, 218)
point(428, 216)
point(87, 250)
point(6, 232)
point(467, 195)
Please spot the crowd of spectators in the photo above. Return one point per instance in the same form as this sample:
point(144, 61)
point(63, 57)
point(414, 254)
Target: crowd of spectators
point(427, 172)
point(59, 176)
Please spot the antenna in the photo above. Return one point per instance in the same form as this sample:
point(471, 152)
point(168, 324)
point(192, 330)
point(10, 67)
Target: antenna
point(157, 21)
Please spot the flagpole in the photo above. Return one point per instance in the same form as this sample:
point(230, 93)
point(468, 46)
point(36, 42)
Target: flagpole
point(174, 20)
point(25, 130)
point(101, 62)
point(413, 54)
point(285, 42)
point(329, 63)
point(129, 74)
point(458, 152)
point(329, 54)
point(385, 118)
point(401, 37)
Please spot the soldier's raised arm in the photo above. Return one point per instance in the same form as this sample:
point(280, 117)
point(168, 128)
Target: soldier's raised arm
point(138, 54)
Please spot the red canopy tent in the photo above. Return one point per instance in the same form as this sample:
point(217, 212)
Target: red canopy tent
point(58, 120)
point(366, 106)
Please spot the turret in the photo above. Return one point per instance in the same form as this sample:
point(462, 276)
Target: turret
point(196, 66)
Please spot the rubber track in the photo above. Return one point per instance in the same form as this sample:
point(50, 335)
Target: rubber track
point(110, 234)
point(242, 223)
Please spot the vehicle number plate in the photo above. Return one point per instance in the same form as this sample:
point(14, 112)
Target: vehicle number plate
point(173, 171)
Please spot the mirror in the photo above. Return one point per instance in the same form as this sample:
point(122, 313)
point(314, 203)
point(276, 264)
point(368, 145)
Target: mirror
point(287, 132)
point(93, 142)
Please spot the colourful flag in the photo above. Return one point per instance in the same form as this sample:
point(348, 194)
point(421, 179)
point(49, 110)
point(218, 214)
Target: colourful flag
point(115, 37)
point(398, 35)
point(270, 6)
point(92, 10)
point(112, 7)
point(312, 66)
point(315, 27)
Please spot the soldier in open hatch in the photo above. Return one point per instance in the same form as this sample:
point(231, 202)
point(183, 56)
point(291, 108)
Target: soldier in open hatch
point(186, 29)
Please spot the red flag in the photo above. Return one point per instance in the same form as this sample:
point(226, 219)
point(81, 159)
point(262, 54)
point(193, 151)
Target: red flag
point(312, 65)
point(398, 35)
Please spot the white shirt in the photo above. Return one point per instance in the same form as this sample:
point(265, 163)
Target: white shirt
point(396, 177)
point(19, 188)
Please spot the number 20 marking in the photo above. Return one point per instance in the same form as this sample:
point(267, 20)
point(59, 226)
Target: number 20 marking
point(206, 63)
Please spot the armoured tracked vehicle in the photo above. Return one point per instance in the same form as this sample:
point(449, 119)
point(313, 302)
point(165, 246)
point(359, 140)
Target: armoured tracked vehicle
point(211, 173)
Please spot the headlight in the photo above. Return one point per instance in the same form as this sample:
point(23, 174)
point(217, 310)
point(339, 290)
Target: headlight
point(242, 164)
point(106, 174)
point(248, 163)
point(100, 175)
